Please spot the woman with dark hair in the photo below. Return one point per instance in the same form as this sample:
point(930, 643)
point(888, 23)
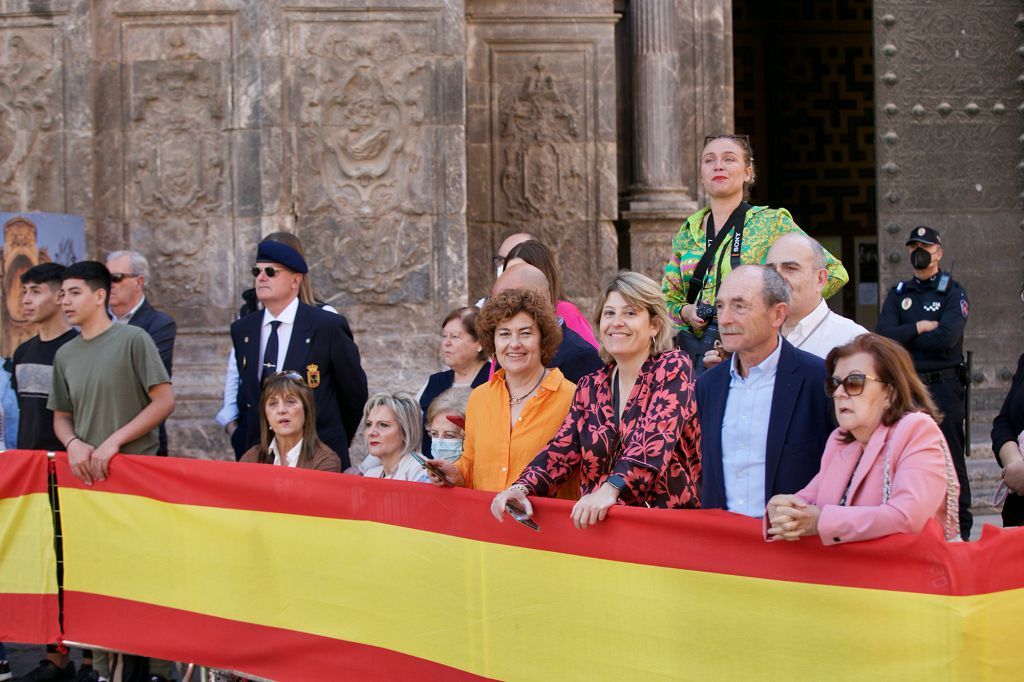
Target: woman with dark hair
point(886, 469)
point(464, 356)
point(632, 435)
point(1008, 445)
point(719, 237)
point(288, 427)
point(540, 257)
point(514, 415)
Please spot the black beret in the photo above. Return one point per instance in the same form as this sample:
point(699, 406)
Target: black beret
point(275, 252)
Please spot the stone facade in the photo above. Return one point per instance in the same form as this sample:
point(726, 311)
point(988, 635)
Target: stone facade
point(403, 139)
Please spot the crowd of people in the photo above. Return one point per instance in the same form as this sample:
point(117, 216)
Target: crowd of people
point(730, 385)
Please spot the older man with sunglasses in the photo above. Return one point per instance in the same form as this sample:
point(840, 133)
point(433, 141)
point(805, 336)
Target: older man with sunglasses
point(129, 274)
point(290, 335)
point(764, 419)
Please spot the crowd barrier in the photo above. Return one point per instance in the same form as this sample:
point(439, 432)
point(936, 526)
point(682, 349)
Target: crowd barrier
point(302, 575)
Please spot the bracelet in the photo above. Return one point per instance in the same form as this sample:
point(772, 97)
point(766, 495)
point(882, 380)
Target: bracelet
point(68, 444)
point(521, 488)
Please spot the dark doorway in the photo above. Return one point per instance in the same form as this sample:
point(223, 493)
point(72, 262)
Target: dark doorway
point(804, 79)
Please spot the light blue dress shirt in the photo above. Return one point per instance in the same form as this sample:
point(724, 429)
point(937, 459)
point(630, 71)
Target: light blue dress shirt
point(745, 434)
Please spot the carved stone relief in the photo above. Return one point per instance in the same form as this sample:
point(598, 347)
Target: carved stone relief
point(365, 171)
point(30, 112)
point(541, 142)
point(177, 157)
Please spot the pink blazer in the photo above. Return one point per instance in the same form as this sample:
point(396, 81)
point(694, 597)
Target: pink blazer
point(918, 482)
point(575, 321)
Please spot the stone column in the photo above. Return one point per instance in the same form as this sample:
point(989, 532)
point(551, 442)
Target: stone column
point(659, 199)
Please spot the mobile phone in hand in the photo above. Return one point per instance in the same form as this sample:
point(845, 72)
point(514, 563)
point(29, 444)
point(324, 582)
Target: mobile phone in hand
point(520, 515)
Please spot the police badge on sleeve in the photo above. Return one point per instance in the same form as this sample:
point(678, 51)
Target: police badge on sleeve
point(964, 308)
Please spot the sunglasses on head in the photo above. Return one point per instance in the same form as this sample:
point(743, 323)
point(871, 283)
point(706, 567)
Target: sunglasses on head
point(738, 138)
point(269, 270)
point(287, 374)
point(118, 277)
point(853, 384)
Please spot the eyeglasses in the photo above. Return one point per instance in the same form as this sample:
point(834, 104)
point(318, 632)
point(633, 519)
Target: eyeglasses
point(497, 260)
point(738, 138)
point(853, 384)
point(269, 270)
point(118, 277)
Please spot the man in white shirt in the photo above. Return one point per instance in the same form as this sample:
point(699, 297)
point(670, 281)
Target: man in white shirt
point(810, 325)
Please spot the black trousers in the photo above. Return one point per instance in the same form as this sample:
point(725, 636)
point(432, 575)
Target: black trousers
point(949, 398)
point(1013, 511)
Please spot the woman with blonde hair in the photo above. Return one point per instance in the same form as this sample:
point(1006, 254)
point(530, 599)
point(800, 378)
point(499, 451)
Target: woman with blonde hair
point(288, 427)
point(392, 427)
point(632, 433)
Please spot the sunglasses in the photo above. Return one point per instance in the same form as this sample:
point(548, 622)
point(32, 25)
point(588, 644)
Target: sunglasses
point(287, 374)
point(269, 270)
point(118, 277)
point(738, 138)
point(853, 384)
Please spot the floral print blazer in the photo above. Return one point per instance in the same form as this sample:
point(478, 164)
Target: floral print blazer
point(656, 447)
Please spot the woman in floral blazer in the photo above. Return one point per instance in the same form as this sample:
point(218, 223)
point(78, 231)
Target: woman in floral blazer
point(632, 433)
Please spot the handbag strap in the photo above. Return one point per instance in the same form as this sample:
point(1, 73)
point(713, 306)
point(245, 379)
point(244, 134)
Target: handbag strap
point(952, 526)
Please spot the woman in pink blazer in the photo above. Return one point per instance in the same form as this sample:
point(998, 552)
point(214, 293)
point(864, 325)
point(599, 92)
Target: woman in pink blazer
point(886, 469)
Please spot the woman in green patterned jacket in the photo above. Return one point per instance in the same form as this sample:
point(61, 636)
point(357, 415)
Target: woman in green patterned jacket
point(727, 172)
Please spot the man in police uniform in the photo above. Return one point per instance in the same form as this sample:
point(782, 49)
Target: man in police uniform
point(927, 314)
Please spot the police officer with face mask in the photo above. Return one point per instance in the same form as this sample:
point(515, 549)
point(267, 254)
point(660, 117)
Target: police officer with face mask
point(927, 314)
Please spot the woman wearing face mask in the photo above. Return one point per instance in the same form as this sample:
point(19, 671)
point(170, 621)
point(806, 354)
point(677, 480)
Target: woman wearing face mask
point(392, 428)
point(446, 423)
point(513, 416)
point(726, 233)
point(632, 434)
point(288, 427)
point(462, 353)
point(886, 469)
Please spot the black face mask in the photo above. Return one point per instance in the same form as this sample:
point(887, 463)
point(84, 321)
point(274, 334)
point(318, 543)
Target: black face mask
point(920, 258)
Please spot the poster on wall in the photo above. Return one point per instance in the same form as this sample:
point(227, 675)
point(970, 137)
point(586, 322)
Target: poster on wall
point(30, 239)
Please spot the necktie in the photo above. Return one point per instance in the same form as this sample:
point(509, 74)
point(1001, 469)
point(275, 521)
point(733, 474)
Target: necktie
point(270, 354)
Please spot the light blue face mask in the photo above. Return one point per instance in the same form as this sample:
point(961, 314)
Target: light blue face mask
point(449, 449)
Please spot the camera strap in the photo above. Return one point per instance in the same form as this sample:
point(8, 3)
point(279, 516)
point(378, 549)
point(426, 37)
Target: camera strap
point(712, 244)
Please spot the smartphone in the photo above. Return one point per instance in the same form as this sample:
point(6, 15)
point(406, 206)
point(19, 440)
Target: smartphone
point(430, 465)
point(520, 516)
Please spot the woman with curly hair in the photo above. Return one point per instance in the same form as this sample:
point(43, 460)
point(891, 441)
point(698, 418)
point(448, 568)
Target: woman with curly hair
point(513, 416)
point(632, 433)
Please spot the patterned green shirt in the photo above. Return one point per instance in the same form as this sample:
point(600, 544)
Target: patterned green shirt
point(761, 227)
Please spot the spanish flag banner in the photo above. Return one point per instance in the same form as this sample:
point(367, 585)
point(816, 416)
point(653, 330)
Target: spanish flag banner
point(28, 561)
point(301, 575)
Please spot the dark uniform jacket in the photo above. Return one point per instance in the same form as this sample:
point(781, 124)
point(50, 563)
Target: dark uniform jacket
point(163, 329)
point(913, 300)
point(321, 349)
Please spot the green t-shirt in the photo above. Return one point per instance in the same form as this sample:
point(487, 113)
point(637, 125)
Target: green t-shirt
point(104, 383)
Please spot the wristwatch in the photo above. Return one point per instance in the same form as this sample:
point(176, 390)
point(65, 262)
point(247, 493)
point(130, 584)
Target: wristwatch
point(616, 481)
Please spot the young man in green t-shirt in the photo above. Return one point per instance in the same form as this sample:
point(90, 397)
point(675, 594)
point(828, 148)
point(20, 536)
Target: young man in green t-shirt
point(110, 389)
point(110, 393)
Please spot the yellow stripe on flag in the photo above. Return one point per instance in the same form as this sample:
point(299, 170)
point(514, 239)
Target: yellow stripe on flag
point(515, 613)
point(27, 561)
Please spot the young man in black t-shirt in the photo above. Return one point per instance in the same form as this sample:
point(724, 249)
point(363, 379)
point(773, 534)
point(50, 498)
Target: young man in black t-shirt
point(32, 362)
point(31, 377)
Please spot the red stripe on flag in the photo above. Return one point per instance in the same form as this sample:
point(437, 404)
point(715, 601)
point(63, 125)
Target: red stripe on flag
point(708, 541)
point(29, 618)
point(23, 472)
point(279, 654)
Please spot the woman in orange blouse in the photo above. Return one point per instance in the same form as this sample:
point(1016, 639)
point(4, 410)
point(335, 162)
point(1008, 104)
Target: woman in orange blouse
point(514, 415)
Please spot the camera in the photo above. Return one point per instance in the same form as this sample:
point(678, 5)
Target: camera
point(705, 311)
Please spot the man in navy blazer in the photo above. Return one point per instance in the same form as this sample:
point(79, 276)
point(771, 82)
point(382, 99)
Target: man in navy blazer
point(288, 335)
point(129, 273)
point(764, 415)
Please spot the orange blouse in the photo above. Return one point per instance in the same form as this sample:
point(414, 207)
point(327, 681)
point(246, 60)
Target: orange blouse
point(493, 455)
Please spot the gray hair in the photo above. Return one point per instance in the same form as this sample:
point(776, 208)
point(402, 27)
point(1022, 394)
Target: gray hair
point(140, 266)
point(407, 413)
point(818, 258)
point(452, 401)
point(775, 289)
